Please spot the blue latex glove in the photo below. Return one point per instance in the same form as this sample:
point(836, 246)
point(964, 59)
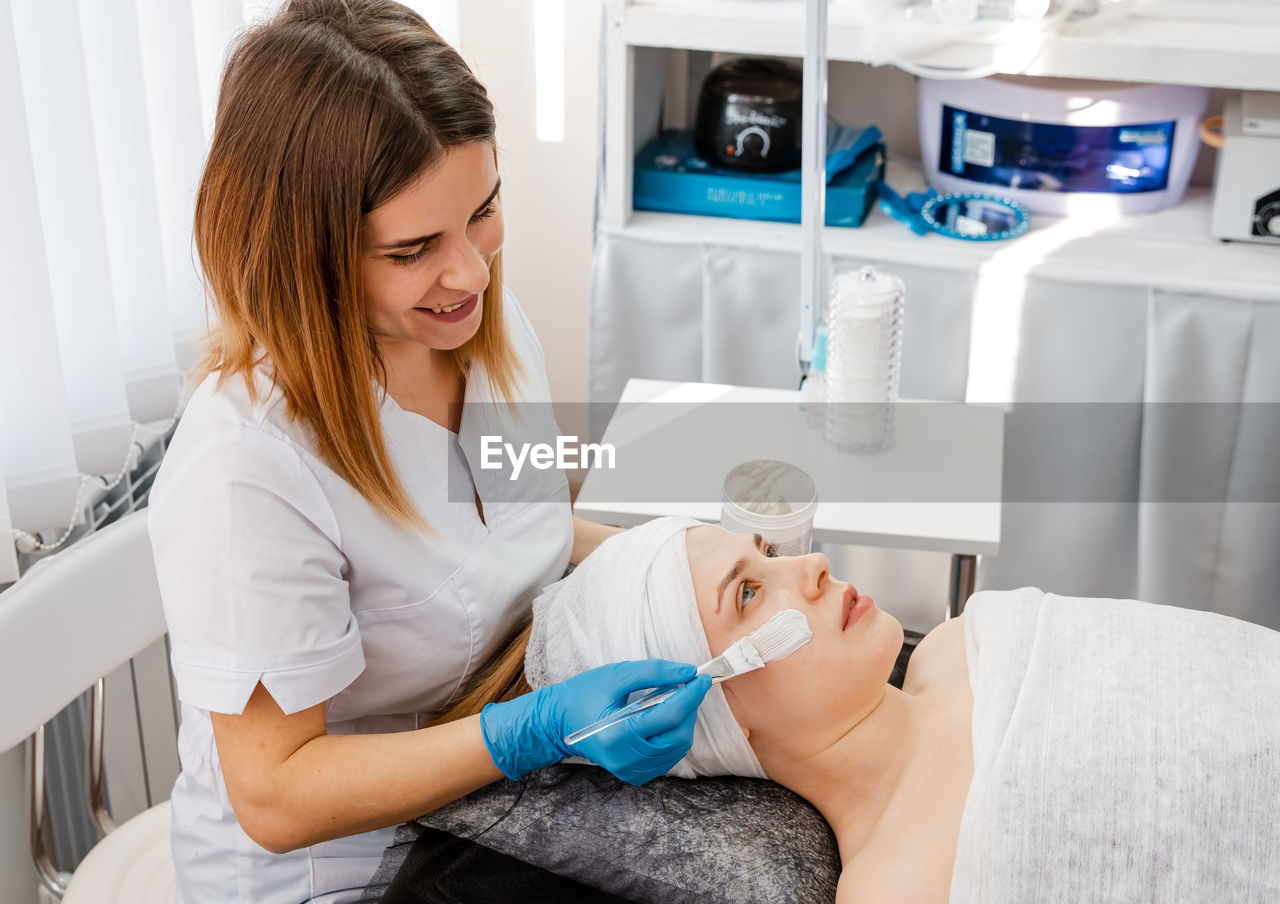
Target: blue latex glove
point(528, 733)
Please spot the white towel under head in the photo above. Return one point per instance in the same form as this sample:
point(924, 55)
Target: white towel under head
point(633, 598)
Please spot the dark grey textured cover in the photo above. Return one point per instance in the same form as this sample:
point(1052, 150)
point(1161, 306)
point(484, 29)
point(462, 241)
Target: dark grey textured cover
point(710, 840)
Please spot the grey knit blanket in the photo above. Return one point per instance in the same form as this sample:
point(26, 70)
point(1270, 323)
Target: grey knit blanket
point(672, 841)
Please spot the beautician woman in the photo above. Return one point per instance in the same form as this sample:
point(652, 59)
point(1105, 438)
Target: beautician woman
point(326, 592)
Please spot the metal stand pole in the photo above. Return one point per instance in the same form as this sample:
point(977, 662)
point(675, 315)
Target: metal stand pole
point(964, 570)
point(813, 175)
point(50, 876)
point(97, 798)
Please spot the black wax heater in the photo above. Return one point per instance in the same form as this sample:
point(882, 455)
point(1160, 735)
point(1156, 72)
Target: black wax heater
point(749, 116)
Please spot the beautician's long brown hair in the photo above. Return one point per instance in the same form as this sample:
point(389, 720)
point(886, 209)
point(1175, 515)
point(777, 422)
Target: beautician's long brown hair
point(326, 111)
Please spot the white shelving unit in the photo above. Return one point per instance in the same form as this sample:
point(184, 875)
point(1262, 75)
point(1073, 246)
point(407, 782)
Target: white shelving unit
point(1170, 249)
point(1173, 51)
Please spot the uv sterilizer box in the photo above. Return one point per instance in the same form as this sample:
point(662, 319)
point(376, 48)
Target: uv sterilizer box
point(670, 177)
point(1060, 146)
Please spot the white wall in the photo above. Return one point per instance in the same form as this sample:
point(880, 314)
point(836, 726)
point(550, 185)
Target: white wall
point(548, 187)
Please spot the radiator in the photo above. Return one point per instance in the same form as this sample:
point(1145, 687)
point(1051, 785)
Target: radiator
point(140, 710)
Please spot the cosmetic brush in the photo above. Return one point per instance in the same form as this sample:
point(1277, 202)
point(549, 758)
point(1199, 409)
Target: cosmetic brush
point(780, 636)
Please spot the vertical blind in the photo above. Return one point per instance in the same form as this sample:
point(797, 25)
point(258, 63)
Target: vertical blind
point(101, 151)
point(107, 107)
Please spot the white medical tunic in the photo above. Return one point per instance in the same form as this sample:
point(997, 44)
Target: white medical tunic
point(274, 570)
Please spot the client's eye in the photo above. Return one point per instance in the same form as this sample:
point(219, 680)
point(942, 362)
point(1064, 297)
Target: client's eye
point(743, 598)
point(771, 550)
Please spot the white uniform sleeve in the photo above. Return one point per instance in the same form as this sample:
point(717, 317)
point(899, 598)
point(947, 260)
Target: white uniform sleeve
point(251, 572)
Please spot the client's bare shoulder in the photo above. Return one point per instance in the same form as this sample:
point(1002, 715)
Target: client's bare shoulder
point(938, 664)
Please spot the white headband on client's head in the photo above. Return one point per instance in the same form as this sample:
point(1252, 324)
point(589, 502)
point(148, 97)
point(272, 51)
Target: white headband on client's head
point(633, 599)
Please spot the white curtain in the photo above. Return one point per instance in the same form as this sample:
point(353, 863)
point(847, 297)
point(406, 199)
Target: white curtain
point(35, 425)
point(173, 100)
point(106, 111)
point(8, 555)
point(135, 243)
point(55, 81)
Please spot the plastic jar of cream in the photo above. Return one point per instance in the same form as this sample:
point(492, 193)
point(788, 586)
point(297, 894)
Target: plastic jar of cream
point(774, 499)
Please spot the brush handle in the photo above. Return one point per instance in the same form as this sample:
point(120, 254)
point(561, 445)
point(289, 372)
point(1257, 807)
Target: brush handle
point(719, 669)
point(649, 700)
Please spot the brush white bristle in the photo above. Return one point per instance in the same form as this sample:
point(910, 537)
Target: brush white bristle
point(781, 635)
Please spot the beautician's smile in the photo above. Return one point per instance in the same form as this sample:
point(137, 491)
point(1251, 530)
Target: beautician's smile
point(451, 313)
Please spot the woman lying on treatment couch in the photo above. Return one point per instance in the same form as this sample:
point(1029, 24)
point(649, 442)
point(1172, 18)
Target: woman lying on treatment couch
point(1040, 748)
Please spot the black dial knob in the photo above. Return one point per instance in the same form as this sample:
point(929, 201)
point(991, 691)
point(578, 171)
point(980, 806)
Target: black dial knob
point(1266, 215)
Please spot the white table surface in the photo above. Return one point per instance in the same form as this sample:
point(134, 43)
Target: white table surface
point(973, 455)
